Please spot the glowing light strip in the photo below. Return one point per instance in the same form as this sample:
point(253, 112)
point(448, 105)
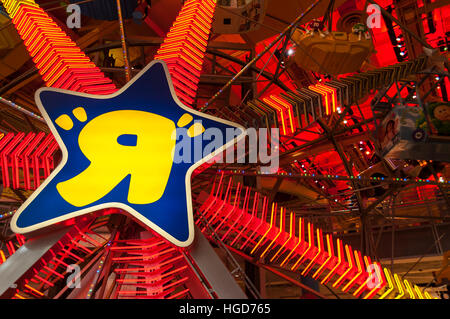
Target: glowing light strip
point(359, 290)
point(310, 245)
point(267, 231)
point(380, 282)
point(2, 257)
point(300, 240)
point(330, 255)
point(288, 107)
point(280, 111)
point(331, 273)
point(319, 251)
point(331, 90)
point(358, 260)
point(291, 233)
point(399, 286)
point(54, 54)
point(184, 47)
point(256, 230)
point(409, 289)
point(390, 284)
point(348, 251)
point(324, 96)
point(418, 292)
point(278, 234)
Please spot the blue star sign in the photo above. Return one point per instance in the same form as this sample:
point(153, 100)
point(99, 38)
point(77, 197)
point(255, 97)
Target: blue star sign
point(119, 151)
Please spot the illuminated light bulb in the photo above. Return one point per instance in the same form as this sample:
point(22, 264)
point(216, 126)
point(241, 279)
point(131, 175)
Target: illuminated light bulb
point(345, 121)
point(398, 39)
point(402, 53)
point(290, 52)
point(437, 78)
point(367, 152)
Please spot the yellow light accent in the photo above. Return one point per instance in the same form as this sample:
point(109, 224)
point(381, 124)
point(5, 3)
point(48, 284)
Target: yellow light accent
point(319, 246)
point(288, 109)
point(279, 110)
point(184, 120)
point(80, 114)
point(357, 291)
point(374, 289)
point(350, 266)
point(268, 230)
point(418, 292)
point(330, 274)
point(112, 162)
point(65, 122)
point(387, 273)
point(195, 129)
point(278, 234)
point(358, 264)
point(409, 289)
point(291, 232)
point(330, 254)
point(399, 286)
point(310, 239)
point(427, 295)
point(300, 236)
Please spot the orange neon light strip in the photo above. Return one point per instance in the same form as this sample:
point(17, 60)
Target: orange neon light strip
point(55, 55)
point(291, 234)
point(34, 290)
point(331, 90)
point(2, 257)
point(348, 265)
point(279, 110)
point(278, 234)
point(288, 107)
point(184, 47)
point(399, 286)
point(300, 240)
point(359, 290)
point(324, 95)
point(310, 245)
point(267, 231)
point(390, 282)
point(358, 260)
point(330, 255)
point(409, 289)
point(319, 251)
point(348, 251)
point(331, 273)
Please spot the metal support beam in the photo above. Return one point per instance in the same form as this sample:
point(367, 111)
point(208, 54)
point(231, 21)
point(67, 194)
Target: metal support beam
point(213, 269)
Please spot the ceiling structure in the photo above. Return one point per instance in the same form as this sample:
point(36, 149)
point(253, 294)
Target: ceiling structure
point(340, 211)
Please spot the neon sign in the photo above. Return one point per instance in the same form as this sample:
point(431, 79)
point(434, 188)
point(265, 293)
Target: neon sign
point(118, 151)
